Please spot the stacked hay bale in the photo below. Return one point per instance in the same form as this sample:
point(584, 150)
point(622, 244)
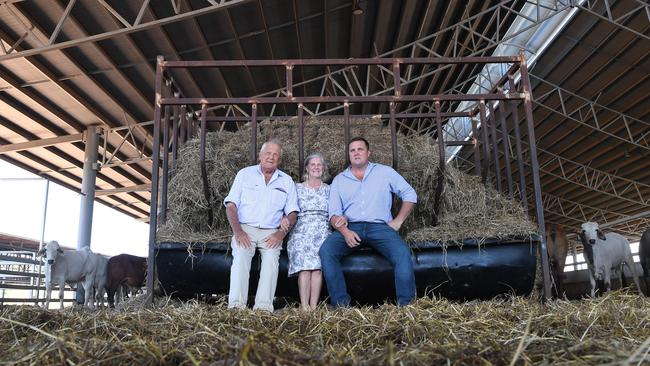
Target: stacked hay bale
point(468, 208)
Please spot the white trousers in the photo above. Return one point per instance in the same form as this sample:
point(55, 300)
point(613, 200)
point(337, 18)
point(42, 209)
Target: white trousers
point(241, 267)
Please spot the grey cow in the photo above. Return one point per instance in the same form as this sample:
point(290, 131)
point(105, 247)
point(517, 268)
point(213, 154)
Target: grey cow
point(610, 250)
point(71, 266)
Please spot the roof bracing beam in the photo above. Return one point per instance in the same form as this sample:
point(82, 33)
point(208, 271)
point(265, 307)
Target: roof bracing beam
point(596, 180)
point(584, 176)
point(38, 33)
point(138, 188)
point(586, 113)
point(605, 11)
point(641, 217)
point(269, 45)
point(502, 9)
point(466, 44)
point(135, 25)
point(42, 121)
point(59, 153)
point(108, 157)
point(20, 146)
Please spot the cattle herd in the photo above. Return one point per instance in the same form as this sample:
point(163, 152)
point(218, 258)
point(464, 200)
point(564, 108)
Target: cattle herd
point(119, 275)
point(603, 253)
point(98, 275)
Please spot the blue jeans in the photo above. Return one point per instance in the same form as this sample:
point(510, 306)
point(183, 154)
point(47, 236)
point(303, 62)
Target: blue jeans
point(382, 238)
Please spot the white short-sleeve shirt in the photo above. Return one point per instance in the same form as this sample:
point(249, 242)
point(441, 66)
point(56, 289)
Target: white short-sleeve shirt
point(259, 204)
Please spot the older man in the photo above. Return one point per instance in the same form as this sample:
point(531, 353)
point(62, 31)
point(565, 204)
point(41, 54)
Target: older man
point(259, 197)
point(361, 196)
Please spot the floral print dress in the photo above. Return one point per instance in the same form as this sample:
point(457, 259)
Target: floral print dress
point(311, 230)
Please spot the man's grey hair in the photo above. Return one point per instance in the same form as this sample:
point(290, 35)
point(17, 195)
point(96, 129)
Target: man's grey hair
point(325, 175)
point(273, 141)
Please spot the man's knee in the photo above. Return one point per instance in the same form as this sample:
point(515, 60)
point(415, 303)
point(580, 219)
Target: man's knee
point(327, 248)
point(325, 254)
point(238, 250)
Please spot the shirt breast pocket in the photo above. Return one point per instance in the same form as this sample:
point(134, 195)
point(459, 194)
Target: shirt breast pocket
point(249, 194)
point(278, 198)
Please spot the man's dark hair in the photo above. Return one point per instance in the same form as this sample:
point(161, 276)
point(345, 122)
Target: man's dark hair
point(359, 138)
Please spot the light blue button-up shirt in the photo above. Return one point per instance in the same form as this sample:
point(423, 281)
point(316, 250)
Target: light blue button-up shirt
point(368, 200)
point(259, 204)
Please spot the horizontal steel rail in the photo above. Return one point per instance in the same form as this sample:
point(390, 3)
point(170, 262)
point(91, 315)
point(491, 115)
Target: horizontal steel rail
point(342, 99)
point(20, 274)
point(342, 62)
point(9, 258)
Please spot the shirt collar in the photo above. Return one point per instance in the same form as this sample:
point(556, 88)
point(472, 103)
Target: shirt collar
point(276, 174)
point(348, 172)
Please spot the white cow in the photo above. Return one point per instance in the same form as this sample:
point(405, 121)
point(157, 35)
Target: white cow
point(71, 266)
point(100, 279)
point(610, 250)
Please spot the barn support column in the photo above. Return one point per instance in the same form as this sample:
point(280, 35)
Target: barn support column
point(91, 166)
point(537, 187)
point(155, 172)
point(42, 239)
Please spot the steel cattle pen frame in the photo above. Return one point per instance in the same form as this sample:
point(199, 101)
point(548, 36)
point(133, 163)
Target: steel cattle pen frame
point(175, 121)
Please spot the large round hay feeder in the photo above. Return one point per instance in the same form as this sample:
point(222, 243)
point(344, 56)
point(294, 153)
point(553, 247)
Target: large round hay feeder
point(471, 271)
point(199, 165)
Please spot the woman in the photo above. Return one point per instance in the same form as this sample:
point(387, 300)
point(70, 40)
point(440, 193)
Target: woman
point(311, 230)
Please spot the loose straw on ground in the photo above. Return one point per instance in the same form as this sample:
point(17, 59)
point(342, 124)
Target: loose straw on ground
point(430, 331)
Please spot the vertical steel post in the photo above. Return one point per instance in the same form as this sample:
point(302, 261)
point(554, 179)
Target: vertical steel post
point(537, 187)
point(440, 172)
point(393, 134)
point(253, 151)
point(204, 170)
point(492, 121)
point(484, 139)
point(301, 138)
point(441, 137)
point(520, 158)
point(289, 72)
point(346, 130)
point(396, 80)
point(191, 126)
point(165, 165)
point(155, 166)
point(506, 146)
point(174, 135)
point(477, 155)
point(183, 125)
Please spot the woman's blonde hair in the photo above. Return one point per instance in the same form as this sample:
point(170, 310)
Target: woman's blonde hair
point(325, 175)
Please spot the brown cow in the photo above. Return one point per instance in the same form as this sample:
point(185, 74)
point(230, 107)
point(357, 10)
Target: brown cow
point(644, 258)
point(124, 269)
point(557, 246)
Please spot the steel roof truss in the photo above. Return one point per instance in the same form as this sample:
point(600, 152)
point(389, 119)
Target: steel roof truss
point(127, 28)
point(643, 7)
